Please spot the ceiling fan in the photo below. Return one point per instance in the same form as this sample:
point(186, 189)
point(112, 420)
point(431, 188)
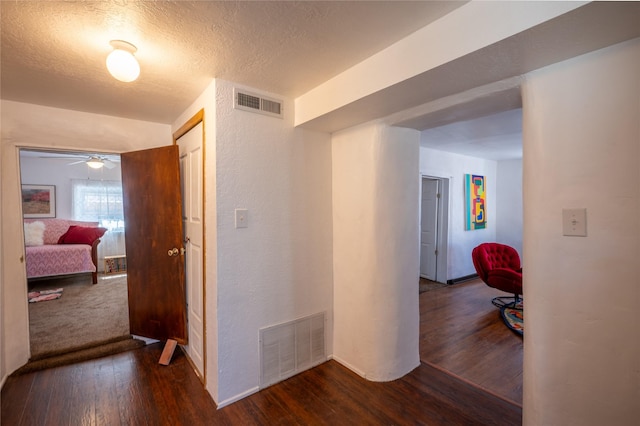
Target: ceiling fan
point(93, 160)
point(96, 162)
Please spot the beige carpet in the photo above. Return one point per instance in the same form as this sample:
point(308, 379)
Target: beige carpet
point(86, 315)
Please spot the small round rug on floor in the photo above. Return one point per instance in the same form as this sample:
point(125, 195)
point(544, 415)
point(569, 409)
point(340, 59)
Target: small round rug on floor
point(513, 316)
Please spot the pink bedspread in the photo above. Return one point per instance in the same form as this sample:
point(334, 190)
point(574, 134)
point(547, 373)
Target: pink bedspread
point(58, 259)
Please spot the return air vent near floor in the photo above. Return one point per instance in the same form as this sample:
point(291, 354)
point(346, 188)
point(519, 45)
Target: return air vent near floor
point(289, 348)
point(248, 101)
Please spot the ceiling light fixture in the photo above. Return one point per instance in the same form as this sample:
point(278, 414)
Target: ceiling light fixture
point(95, 163)
point(121, 63)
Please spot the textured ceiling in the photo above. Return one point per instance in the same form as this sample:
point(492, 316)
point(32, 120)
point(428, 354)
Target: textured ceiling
point(53, 52)
point(494, 137)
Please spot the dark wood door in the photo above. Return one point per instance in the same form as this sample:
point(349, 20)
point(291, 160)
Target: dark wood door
point(153, 235)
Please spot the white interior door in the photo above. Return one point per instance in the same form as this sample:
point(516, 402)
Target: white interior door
point(191, 169)
point(429, 227)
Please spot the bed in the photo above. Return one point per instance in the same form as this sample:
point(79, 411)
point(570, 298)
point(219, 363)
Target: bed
point(61, 247)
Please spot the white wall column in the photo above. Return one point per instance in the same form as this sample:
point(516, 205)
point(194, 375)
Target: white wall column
point(375, 244)
point(581, 150)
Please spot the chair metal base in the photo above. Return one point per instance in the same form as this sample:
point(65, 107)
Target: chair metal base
point(505, 300)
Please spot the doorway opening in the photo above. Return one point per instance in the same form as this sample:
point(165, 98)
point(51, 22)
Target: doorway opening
point(83, 190)
point(461, 314)
point(434, 208)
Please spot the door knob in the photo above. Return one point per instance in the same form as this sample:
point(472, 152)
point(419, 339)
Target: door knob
point(173, 252)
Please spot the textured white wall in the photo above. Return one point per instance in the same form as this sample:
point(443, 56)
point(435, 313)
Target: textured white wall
point(461, 242)
point(509, 204)
point(582, 149)
point(29, 125)
point(375, 244)
point(279, 268)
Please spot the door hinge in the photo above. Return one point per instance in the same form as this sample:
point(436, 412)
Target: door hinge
point(436, 252)
point(438, 195)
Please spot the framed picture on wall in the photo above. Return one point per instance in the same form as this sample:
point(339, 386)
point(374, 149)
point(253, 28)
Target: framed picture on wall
point(475, 202)
point(38, 201)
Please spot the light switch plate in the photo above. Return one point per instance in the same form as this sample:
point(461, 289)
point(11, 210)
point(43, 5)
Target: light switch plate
point(242, 218)
point(574, 222)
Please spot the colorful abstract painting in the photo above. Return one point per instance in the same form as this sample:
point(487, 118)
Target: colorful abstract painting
point(476, 202)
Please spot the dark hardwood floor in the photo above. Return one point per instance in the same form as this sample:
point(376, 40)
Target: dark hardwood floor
point(131, 388)
point(461, 332)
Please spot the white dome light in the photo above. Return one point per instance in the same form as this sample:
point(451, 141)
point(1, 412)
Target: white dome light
point(121, 63)
point(95, 163)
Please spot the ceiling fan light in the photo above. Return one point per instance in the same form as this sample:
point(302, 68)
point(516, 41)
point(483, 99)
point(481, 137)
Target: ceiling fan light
point(95, 163)
point(121, 63)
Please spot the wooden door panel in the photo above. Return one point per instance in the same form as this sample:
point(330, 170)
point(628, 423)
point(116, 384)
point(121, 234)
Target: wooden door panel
point(153, 226)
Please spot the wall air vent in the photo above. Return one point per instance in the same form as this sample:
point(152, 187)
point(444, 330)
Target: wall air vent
point(290, 348)
point(248, 101)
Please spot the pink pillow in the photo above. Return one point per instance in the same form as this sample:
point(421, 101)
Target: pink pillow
point(81, 235)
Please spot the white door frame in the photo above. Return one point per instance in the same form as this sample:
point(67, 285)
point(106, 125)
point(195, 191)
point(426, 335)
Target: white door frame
point(443, 226)
point(198, 118)
point(429, 267)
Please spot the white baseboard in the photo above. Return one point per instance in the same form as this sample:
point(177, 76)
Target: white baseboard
point(256, 389)
point(238, 397)
point(350, 367)
point(375, 379)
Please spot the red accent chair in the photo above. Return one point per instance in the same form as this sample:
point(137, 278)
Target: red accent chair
point(498, 265)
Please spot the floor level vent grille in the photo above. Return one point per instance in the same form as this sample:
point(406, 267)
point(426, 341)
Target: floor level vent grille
point(289, 348)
